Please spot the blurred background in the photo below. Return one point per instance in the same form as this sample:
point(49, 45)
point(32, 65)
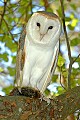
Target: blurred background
point(13, 15)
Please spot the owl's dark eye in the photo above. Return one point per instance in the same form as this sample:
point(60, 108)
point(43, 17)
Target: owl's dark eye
point(38, 24)
point(50, 27)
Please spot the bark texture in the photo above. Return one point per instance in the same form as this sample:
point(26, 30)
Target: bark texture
point(25, 108)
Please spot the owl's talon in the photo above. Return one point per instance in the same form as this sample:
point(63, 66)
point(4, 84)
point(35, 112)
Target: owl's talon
point(45, 99)
point(19, 90)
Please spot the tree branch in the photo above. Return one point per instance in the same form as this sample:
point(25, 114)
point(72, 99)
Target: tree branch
point(75, 58)
point(68, 45)
point(4, 10)
point(10, 31)
point(46, 4)
point(23, 108)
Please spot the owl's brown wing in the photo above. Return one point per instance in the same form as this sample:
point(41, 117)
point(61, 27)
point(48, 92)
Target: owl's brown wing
point(20, 59)
point(51, 69)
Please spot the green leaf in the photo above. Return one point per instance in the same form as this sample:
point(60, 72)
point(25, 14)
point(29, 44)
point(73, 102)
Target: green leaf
point(61, 61)
point(4, 57)
point(73, 83)
point(59, 12)
point(70, 27)
point(60, 90)
point(49, 10)
point(47, 92)
point(78, 81)
point(74, 22)
point(68, 19)
point(54, 78)
point(13, 59)
point(75, 41)
point(1, 69)
point(73, 6)
point(11, 71)
point(12, 46)
point(41, 3)
point(8, 89)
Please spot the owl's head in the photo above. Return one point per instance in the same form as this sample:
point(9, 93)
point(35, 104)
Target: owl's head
point(43, 27)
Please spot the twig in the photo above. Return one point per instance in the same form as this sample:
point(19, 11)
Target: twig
point(2, 16)
point(9, 31)
point(31, 7)
point(11, 10)
point(75, 59)
point(68, 45)
point(46, 4)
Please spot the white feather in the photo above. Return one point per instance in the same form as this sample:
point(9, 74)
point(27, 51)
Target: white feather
point(41, 50)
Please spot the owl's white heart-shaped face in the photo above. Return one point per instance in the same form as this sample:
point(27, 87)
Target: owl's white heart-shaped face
point(43, 27)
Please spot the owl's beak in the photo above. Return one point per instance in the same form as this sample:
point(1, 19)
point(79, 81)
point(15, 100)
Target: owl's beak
point(41, 36)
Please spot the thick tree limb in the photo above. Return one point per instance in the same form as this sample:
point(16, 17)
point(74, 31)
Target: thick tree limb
point(25, 108)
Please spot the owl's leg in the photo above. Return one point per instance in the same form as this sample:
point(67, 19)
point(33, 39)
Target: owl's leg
point(36, 75)
point(43, 97)
point(26, 74)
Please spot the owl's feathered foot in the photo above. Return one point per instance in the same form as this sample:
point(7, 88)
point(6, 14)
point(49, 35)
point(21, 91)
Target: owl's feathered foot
point(29, 92)
point(26, 91)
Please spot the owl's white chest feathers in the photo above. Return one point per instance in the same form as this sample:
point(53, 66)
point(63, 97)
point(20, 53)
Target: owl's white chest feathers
point(41, 51)
point(37, 63)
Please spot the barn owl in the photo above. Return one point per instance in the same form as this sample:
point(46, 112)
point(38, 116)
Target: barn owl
point(38, 51)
